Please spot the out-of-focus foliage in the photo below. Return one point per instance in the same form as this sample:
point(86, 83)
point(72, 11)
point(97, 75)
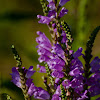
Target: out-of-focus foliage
point(18, 26)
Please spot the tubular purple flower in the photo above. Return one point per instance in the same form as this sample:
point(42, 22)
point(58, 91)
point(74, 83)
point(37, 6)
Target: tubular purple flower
point(57, 74)
point(41, 94)
point(83, 96)
point(62, 2)
point(52, 14)
point(95, 89)
point(56, 63)
point(66, 83)
point(56, 97)
point(64, 39)
point(15, 77)
point(42, 69)
point(44, 19)
point(58, 90)
point(75, 72)
point(58, 50)
point(78, 53)
point(31, 89)
point(63, 12)
point(30, 72)
point(51, 5)
point(95, 65)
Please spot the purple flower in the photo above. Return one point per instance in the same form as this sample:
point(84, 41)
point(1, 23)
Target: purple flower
point(51, 5)
point(95, 89)
point(76, 63)
point(56, 63)
point(95, 65)
point(57, 74)
point(16, 77)
point(57, 80)
point(83, 96)
point(31, 89)
point(78, 53)
point(44, 47)
point(44, 19)
point(58, 90)
point(30, 72)
point(52, 14)
point(58, 50)
point(63, 12)
point(42, 69)
point(41, 94)
point(66, 83)
point(49, 0)
point(43, 58)
point(56, 97)
point(75, 72)
point(64, 38)
point(62, 2)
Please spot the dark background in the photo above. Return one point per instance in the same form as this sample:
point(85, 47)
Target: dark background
point(18, 26)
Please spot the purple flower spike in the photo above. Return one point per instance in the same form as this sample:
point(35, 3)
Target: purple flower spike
point(62, 2)
point(42, 69)
point(63, 12)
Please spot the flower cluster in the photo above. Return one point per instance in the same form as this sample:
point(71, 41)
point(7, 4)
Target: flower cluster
point(69, 78)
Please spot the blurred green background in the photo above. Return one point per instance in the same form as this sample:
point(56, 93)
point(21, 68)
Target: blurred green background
point(18, 26)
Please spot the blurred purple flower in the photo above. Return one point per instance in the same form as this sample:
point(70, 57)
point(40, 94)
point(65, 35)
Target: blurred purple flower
point(62, 2)
point(42, 69)
point(63, 12)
